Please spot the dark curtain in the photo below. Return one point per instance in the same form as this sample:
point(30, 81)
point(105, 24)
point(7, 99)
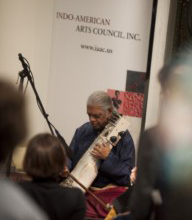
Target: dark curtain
point(183, 27)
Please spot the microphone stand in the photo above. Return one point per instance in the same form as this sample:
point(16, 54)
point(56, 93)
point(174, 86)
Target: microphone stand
point(26, 72)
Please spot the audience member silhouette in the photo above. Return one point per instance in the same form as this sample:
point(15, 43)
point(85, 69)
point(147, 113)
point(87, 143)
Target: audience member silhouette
point(14, 203)
point(163, 185)
point(44, 161)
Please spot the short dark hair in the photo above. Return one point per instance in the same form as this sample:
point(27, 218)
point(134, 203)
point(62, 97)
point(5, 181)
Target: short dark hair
point(45, 157)
point(12, 118)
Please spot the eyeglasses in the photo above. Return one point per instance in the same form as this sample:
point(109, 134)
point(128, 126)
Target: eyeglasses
point(95, 116)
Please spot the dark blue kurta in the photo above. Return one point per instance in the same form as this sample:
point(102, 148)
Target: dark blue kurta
point(116, 168)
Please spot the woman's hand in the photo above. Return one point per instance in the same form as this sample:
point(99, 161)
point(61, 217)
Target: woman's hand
point(133, 175)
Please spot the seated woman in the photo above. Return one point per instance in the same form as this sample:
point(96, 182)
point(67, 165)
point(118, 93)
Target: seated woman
point(44, 161)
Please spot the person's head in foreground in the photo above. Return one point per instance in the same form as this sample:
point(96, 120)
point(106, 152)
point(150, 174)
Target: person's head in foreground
point(12, 119)
point(176, 119)
point(45, 157)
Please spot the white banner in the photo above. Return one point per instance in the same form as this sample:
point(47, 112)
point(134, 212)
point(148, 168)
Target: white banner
point(95, 42)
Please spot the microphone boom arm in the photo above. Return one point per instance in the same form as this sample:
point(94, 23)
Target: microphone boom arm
point(27, 72)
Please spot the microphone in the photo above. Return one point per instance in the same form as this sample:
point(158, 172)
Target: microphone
point(23, 73)
point(22, 60)
point(25, 66)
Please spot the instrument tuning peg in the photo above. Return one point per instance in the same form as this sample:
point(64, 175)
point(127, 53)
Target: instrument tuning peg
point(121, 133)
point(113, 139)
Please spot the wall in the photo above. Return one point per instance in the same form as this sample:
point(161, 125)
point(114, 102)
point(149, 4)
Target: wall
point(26, 27)
point(162, 47)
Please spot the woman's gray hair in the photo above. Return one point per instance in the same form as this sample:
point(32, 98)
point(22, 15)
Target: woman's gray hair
point(101, 99)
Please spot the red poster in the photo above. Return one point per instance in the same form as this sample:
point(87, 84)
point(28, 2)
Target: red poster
point(127, 103)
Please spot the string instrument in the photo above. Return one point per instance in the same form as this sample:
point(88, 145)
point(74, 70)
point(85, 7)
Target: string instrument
point(86, 170)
